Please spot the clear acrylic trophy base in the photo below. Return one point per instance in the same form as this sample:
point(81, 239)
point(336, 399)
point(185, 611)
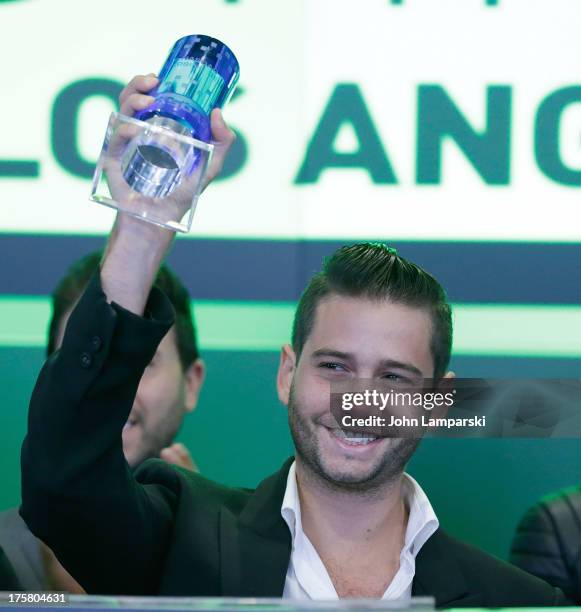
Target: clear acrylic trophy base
point(150, 171)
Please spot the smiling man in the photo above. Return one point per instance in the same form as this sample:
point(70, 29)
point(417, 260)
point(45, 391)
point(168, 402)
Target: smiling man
point(340, 519)
point(356, 520)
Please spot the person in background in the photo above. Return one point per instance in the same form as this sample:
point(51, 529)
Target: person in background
point(168, 390)
point(547, 542)
point(8, 579)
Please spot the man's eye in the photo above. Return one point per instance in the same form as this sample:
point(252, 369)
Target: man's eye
point(396, 378)
point(329, 365)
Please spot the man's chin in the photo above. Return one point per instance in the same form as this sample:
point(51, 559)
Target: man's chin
point(348, 473)
point(131, 458)
point(356, 464)
point(345, 469)
point(134, 455)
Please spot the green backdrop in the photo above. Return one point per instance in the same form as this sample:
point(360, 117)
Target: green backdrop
point(479, 488)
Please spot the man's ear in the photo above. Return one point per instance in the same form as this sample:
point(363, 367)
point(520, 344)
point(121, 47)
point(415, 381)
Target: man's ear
point(286, 370)
point(194, 378)
point(447, 382)
point(445, 385)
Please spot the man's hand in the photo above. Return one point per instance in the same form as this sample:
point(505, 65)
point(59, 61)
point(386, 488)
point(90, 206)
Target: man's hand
point(136, 248)
point(134, 97)
point(178, 454)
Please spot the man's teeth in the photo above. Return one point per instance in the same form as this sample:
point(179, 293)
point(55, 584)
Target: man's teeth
point(355, 438)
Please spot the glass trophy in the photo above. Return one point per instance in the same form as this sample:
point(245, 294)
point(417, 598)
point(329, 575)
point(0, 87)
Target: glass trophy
point(153, 165)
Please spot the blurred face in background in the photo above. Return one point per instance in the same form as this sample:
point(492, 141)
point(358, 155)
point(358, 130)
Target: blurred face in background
point(166, 393)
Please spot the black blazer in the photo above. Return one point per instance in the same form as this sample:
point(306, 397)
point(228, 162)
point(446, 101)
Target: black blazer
point(548, 541)
point(162, 530)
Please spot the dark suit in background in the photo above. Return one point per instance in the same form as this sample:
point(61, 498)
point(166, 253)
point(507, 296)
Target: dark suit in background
point(8, 580)
point(548, 541)
point(22, 551)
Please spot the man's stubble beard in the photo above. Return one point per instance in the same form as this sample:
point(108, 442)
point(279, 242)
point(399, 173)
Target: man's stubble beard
point(154, 438)
point(157, 434)
point(386, 471)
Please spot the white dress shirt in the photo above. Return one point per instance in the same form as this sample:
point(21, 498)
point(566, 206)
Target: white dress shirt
point(307, 577)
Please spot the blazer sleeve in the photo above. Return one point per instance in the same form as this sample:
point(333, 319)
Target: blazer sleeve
point(78, 493)
point(547, 544)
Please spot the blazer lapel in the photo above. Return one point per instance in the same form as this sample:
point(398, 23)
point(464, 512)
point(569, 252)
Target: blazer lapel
point(255, 547)
point(438, 574)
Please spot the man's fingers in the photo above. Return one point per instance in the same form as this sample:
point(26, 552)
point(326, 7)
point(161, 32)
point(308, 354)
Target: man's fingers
point(135, 102)
point(221, 133)
point(180, 450)
point(178, 454)
point(222, 138)
point(168, 454)
point(177, 451)
point(134, 98)
point(141, 84)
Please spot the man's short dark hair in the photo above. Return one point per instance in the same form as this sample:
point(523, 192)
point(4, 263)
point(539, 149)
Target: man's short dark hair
point(72, 285)
point(375, 271)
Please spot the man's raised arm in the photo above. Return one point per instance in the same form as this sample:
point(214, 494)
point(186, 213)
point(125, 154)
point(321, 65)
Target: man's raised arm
point(78, 493)
point(136, 249)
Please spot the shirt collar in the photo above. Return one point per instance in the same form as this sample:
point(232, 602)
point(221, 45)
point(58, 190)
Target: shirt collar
point(291, 507)
point(422, 520)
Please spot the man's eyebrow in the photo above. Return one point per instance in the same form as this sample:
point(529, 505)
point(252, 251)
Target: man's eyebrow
point(327, 352)
point(384, 363)
point(400, 365)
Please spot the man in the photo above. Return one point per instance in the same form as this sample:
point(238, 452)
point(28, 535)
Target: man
point(167, 391)
point(548, 541)
point(171, 383)
point(339, 520)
